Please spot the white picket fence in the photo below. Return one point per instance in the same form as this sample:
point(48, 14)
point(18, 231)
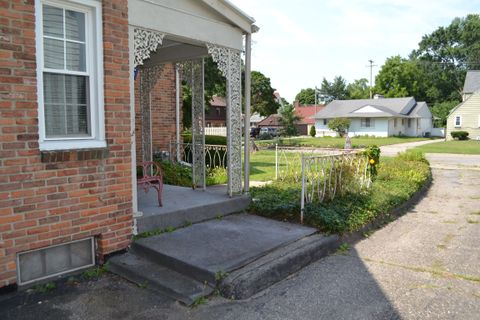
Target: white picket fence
point(216, 131)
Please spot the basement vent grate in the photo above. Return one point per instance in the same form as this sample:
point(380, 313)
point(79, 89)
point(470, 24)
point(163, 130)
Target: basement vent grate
point(55, 260)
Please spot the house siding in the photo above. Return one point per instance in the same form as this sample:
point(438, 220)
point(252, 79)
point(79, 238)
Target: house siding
point(470, 113)
point(55, 197)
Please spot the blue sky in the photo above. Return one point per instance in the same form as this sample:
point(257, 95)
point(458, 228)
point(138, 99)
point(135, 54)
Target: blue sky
point(302, 41)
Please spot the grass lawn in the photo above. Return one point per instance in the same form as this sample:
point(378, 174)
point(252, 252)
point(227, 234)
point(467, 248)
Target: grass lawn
point(337, 142)
point(262, 165)
point(454, 146)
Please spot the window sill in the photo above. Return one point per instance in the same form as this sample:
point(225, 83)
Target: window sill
point(73, 144)
point(73, 155)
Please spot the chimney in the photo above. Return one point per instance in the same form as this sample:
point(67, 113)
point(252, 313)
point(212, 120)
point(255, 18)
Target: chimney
point(296, 104)
point(378, 96)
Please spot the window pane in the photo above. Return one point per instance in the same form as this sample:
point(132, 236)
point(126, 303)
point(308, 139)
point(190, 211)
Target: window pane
point(75, 25)
point(77, 120)
point(76, 56)
point(53, 88)
point(53, 54)
point(52, 21)
point(55, 120)
point(76, 89)
point(66, 105)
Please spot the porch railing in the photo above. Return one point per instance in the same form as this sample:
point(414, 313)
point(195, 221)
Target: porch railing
point(215, 155)
point(325, 177)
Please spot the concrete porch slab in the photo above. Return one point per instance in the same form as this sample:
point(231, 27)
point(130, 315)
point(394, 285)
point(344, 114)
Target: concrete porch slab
point(181, 205)
point(204, 249)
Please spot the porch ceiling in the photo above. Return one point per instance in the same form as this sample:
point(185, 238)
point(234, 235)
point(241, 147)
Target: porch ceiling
point(174, 51)
point(190, 21)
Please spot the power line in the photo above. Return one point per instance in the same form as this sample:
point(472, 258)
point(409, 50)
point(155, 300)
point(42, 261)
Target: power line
point(371, 70)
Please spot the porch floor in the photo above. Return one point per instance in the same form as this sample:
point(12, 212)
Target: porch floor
point(183, 205)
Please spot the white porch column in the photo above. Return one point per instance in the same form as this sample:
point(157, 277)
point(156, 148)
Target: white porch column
point(246, 167)
point(229, 63)
point(177, 111)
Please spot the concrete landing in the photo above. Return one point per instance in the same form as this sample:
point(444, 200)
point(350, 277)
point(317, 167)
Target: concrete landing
point(181, 205)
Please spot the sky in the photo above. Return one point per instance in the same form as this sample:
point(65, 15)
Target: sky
point(301, 42)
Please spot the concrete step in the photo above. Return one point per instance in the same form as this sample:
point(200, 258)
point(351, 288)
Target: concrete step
point(175, 215)
point(150, 253)
point(156, 277)
point(277, 265)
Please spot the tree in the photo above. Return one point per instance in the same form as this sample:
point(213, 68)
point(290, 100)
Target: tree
point(337, 89)
point(358, 89)
point(306, 96)
point(288, 120)
point(400, 77)
point(263, 100)
point(313, 131)
point(339, 125)
point(446, 54)
point(441, 111)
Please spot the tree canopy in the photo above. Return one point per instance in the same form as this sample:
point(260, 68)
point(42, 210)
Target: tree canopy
point(358, 89)
point(306, 96)
point(337, 89)
point(263, 100)
point(400, 77)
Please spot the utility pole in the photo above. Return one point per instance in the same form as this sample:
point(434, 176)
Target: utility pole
point(371, 69)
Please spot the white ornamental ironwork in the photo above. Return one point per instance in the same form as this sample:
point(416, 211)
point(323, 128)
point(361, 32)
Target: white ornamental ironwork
point(325, 177)
point(148, 78)
point(229, 63)
point(145, 42)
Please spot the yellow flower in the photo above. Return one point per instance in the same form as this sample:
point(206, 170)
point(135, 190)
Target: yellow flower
point(372, 162)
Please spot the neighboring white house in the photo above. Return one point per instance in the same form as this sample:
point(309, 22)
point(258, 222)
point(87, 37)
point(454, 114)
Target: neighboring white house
point(381, 117)
point(472, 83)
point(466, 116)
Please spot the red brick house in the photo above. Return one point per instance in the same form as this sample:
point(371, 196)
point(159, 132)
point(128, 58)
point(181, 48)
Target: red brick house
point(75, 121)
point(305, 113)
point(217, 113)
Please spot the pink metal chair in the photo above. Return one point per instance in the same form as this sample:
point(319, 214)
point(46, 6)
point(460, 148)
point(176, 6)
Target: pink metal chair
point(151, 178)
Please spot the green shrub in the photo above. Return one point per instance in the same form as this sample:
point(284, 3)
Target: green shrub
point(313, 131)
point(412, 155)
point(396, 181)
point(265, 136)
point(339, 125)
point(460, 135)
point(218, 140)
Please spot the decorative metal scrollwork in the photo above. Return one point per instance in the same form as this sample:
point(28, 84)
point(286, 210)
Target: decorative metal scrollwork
point(229, 63)
point(148, 78)
point(145, 41)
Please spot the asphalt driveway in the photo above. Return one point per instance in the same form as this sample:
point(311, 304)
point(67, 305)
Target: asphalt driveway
point(425, 265)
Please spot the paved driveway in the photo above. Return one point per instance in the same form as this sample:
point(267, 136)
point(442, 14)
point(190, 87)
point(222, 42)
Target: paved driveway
point(425, 265)
point(392, 150)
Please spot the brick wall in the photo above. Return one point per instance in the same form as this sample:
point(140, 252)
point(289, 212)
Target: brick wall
point(162, 111)
point(56, 197)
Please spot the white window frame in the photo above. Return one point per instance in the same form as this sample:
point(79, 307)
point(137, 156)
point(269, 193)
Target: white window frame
point(459, 125)
point(94, 66)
